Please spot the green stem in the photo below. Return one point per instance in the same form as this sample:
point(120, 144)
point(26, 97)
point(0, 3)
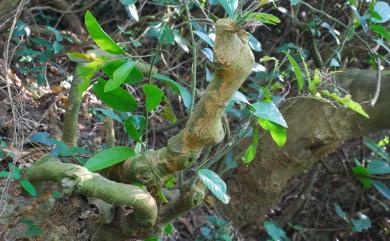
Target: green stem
point(70, 128)
point(193, 50)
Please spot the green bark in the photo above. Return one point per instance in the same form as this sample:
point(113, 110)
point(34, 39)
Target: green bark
point(75, 178)
point(204, 127)
point(70, 128)
point(191, 196)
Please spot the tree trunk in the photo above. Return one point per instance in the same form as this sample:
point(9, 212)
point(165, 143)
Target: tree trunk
point(316, 129)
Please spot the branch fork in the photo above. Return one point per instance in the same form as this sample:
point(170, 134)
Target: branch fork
point(235, 60)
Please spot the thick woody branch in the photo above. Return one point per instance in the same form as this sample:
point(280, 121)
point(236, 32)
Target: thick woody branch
point(191, 196)
point(75, 178)
point(316, 129)
point(234, 60)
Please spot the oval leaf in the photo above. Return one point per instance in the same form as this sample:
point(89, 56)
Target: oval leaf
point(278, 132)
point(229, 6)
point(109, 157)
point(269, 111)
point(119, 76)
point(178, 88)
point(100, 37)
point(118, 99)
point(249, 155)
point(205, 38)
point(135, 126)
point(383, 9)
point(382, 188)
point(215, 184)
point(274, 230)
point(26, 185)
point(378, 167)
point(254, 43)
point(153, 96)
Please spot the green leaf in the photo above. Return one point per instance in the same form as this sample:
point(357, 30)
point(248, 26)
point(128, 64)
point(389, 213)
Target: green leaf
point(254, 43)
point(168, 229)
point(153, 96)
point(26, 185)
point(379, 151)
point(14, 174)
point(152, 239)
point(381, 30)
point(61, 149)
point(215, 184)
point(81, 160)
point(251, 151)
point(357, 108)
point(230, 6)
point(240, 97)
point(168, 114)
point(33, 230)
point(269, 111)
point(382, 188)
point(86, 71)
point(378, 167)
point(208, 53)
point(166, 35)
point(265, 18)
point(170, 182)
point(56, 194)
point(133, 77)
point(340, 212)
point(135, 126)
point(230, 162)
point(206, 232)
point(119, 77)
point(315, 82)
point(178, 88)
point(297, 71)
point(43, 138)
point(109, 157)
point(182, 42)
point(162, 32)
point(100, 37)
point(294, 2)
point(347, 102)
point(249, 155)
point(56, 32)
point(205, 38)
point(106, 112)
point(162, 196)
point(360, 170)
point(383, 10)
point(361, 224)
point(278, 132)
point(274, 230)
point(80, 58)
point(361, 19)
point(5, 174)
point(119, 99)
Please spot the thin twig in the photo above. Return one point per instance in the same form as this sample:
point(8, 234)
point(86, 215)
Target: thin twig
point(193, 49)
point(378, 83)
